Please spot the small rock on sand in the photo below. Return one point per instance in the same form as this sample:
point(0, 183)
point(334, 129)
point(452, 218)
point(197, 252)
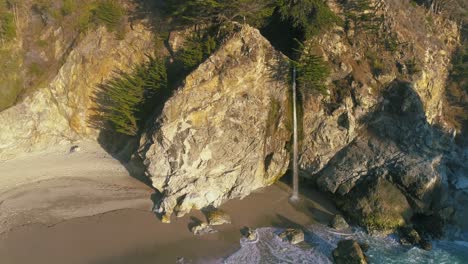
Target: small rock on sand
point(249, 233)
point(218, 217)
point(293, 236)
point(75, 149)
point(202, 229)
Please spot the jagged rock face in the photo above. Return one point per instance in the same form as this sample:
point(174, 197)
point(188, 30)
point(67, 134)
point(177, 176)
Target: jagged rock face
point(225, 132)
point(60, 111)
point(377, 133)
point(328, 129)
point(394, 167)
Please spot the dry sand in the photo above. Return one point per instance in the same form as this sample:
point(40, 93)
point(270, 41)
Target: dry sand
point(57, 207)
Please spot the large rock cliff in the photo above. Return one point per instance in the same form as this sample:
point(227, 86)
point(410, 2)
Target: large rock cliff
point(225, 132)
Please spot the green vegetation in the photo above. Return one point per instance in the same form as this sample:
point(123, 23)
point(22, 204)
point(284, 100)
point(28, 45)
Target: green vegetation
point(456, 99)
point(68, 7)
point(35, 69)
point(11, 78)
point(7, 26)
point(362, 16)
point(83, 15)
point(109, 13)
point(412, 66)
point(312, 71)
point(7, 21)
point(42, 43)
point(382, 222)
point(376, 64)
point(190, 12)
point(195, 51)
point(311, 16)
point(129, 97)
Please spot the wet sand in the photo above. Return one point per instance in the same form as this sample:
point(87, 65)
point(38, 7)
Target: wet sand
point(58, 207)
point(137, 236)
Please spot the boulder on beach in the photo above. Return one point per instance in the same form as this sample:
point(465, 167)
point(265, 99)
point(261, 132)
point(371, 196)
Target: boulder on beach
point(202, 229)
point(349, 252)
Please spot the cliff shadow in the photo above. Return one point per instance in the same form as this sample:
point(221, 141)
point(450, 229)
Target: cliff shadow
point(107, 113)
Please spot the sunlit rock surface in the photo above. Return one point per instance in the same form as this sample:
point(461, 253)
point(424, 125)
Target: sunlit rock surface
point(224, 133)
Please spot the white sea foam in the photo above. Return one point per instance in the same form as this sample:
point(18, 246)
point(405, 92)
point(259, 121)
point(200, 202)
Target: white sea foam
point(320, 241)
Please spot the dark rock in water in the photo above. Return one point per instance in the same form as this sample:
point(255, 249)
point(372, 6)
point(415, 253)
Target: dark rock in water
point(409, 236)
point(249, 233)
point(348, 252)
point(425, 244)
point(364, 246)
point(293, 236)
point(202, 229)
point(429, 225)
point(338, 222)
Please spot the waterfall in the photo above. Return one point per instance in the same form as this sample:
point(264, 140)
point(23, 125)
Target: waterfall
point(295, 194)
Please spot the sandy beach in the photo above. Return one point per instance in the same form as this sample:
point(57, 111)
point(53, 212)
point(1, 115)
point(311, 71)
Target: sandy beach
point(88, 209)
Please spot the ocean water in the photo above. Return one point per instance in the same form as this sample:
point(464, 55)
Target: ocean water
point(321, 241)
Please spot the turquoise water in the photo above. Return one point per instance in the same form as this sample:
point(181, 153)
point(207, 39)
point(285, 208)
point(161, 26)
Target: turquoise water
point(388, 250)
point(320, 242)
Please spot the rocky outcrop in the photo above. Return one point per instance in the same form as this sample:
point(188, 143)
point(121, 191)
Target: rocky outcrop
point(331, 123)
point(377, 135)
point(225, 132)
point(61, 110)
point(394, 168)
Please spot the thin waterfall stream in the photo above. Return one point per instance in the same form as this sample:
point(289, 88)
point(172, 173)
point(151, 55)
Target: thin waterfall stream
point(295, 194)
